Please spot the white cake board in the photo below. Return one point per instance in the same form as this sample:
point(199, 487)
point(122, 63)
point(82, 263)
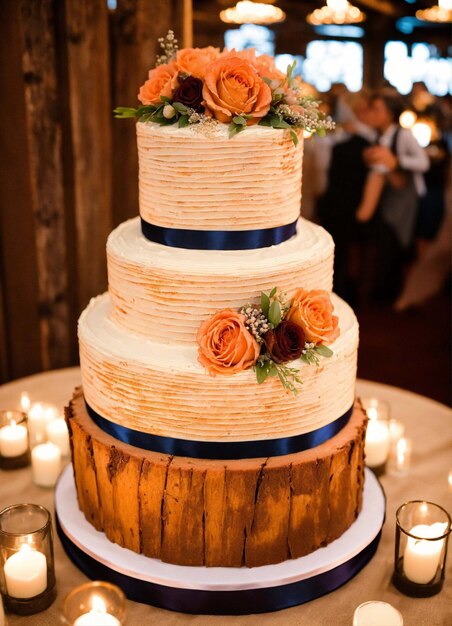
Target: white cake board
point(220, 590)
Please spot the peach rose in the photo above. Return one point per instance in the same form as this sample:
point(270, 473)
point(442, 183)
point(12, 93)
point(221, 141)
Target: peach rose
point(313, 311)
point(264, 64)
point(225, 345)
point(194, 61)
point(160, 83)
point(233, 87)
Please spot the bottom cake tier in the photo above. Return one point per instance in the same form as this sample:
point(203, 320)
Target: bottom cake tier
point(186, 511)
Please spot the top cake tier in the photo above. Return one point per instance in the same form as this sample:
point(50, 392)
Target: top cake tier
point(205, 181)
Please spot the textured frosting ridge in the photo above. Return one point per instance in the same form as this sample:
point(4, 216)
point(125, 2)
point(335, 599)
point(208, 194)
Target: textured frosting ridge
point(165, 294)
point(205, 181)
point(162, 389)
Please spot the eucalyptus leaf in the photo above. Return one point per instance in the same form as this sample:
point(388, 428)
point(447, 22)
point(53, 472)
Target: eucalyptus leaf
point(265, 303)
point(183, 121)
point(273, 292)
point(239, 119)
point(274, 313)
point(324, 351)
point(261, 373)
point(180, 108)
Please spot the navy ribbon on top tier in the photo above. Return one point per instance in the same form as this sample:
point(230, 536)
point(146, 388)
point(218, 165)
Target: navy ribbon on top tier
point(221, 450)
point(218, 239)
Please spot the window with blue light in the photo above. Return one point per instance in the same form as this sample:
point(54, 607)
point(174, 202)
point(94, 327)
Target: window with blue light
point(402, 69)
point(330, 62)
point(251, 36)
point(282, 62)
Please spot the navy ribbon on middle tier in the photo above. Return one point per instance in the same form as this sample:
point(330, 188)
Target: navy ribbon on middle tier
point(221, 450)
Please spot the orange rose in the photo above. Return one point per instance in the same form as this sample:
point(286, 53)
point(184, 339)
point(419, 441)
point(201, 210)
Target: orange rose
point(194, 61)
point(160, 83)
point(233, 87)
point(313, 311)
point(225, 345)
point(264, 64)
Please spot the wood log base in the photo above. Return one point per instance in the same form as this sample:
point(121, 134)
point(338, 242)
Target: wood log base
point(234, 513)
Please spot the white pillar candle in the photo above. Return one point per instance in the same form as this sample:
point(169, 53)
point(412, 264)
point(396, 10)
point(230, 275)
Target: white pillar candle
point(25, 402)
point(58, 434)
point(377, 440)
point(396, 431)
point(13, 440)
point(98, 615)
point(39, 416)
point(26, 573)
point(422, 557)
point(46, 464)
point(377, 614)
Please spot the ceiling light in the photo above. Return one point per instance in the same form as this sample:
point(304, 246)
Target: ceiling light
point(336, 12)
point(247, 12)
point(441, 12)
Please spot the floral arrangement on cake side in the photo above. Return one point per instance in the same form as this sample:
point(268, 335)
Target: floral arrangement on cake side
point(270, 336)
point(204, 86)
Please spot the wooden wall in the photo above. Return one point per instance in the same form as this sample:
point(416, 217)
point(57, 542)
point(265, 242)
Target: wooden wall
point(68, 170)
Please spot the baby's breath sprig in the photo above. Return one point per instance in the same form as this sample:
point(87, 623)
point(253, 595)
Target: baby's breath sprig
point(288, 376)
point(256, 322)
point(169, 45)
point(311, 353)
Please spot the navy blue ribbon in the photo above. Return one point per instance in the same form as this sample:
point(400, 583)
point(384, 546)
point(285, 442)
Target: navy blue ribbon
point(221, 450)
point(202, 602)
point(218, 239)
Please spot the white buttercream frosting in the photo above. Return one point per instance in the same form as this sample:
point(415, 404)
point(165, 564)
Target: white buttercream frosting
point(165, 293)
point(196, 180)
point(162, 389)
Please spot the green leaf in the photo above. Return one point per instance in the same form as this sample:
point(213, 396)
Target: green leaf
point(239, 119)
point(290, 69)
point(265, 121)
point(267, 81)
point(124, 112)
point(273, 292)
point(165, 99)
point(235, 128)
point(262, 372)
point(274, 313)
point(273, 370)
point(180, 108)
point(324, 351)
point(294, 136)
point(265, 303)
point(183, 121)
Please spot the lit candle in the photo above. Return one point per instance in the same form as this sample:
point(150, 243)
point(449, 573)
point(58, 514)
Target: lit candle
point(377, 614)
point(58, 434)
point(46, 464)
point(26, 573)
point(403, 455)
point(39, 416)
point(25, 402)
point(377, 440)
point(13, 440)
point(449, 480)
point(98, 615)
point(396, 431)
point(422, 557)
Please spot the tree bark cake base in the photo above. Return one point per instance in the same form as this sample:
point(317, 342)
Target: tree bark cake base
point(185, 511)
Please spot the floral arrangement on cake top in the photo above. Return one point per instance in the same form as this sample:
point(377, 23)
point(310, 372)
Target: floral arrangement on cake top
point(239, 88)
point(269, 336)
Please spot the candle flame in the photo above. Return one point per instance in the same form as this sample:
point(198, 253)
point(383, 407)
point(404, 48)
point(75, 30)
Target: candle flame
point(372, 413)
point(98, 604)
point(25, 402)
point(449, 479)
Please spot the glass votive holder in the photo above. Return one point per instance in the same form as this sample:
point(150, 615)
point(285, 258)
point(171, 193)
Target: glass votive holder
point(378, 438)
point(396, 431)
point(14, 448)
point(376, 613)
point(27, 569)
point(422, 533)
point(96, 603)
point(39, 415)
point(400, 457)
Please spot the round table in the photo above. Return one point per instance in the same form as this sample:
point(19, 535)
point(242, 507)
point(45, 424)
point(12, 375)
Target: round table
point(428, 424)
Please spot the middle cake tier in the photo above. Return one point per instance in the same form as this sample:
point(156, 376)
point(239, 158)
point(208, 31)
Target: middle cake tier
point(163, 390)
point(165, 294)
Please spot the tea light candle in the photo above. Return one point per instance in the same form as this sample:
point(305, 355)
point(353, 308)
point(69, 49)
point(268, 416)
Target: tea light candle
point(25, 402)
point(377, 440)
point(98, 615)
point(58, 434)
point(13, 440)
point(39, 416)
point(26, 573)
point(396, 431)
point(422, 557)
point(46, 464)
point(377, 614)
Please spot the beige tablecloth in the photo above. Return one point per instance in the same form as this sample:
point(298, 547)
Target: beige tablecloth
point(428, 423)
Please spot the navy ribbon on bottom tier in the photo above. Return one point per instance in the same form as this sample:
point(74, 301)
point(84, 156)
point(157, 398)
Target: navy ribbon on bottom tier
point(218, 239)
point(243, 602)
point(221, 450)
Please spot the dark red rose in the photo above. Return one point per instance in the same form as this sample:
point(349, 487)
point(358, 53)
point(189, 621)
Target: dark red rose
point(189, 92)
point(285, 342)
